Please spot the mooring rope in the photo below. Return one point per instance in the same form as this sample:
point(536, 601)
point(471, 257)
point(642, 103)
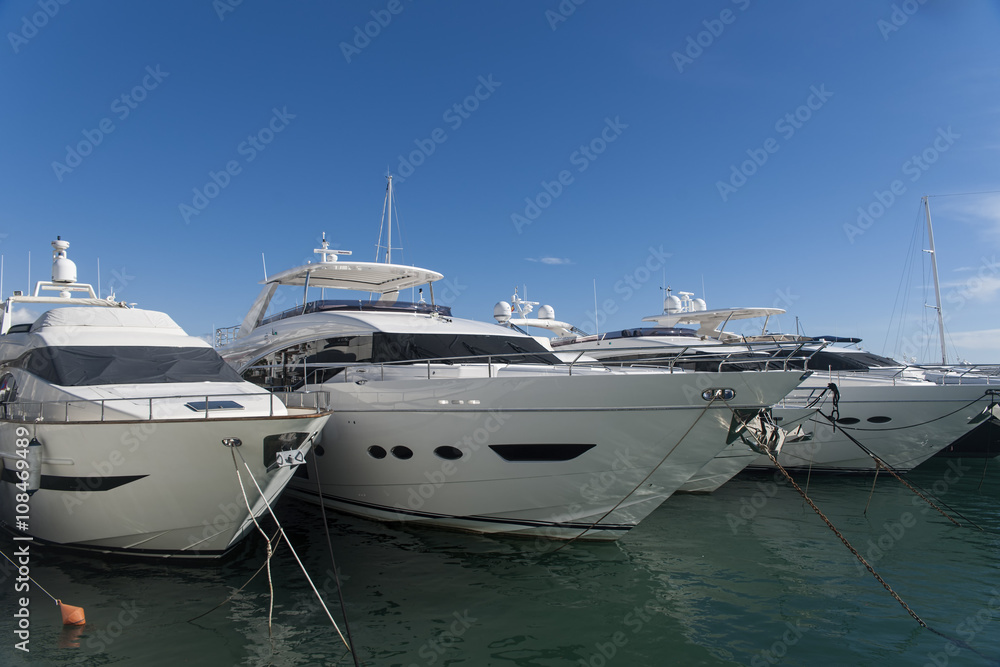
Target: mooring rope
point(270, 551)
point(333, 561)
point(636, 487)
point(240, 589)
point(958, 642)
point(30, 579)
point(294, 553)
point(832, 418)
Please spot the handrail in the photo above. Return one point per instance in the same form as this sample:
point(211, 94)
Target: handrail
point(31, 411)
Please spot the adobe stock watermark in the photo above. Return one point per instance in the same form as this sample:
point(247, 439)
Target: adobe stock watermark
point(783, 298)
point(564, 10)
point(30, 25)
point(433, 649)
point(100, 640)
point(629, 284)
point(967, 630)
point(779, 649)
point(581, 158)
point(381, 18)
point(223, 7)
point(787, 125)
point(635, 620)
point(454, 116)
point(914, 168)
point(900, 14)
point(120, 279)
point(122, 107)
point(249, 149)
point(469, 445)
point(893, 532)
point(957, 298)
point(699, 42)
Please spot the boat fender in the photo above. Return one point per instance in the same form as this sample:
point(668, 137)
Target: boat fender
point(34, 465)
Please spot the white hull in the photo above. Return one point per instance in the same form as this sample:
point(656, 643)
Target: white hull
point(153, 488)
point(636, 439)
point(726, 465)
point(903, 423)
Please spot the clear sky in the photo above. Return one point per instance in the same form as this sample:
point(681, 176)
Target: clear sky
point(755, 154)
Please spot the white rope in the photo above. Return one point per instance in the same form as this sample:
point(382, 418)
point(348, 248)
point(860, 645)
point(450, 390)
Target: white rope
point(270, 551)
point(298, 560)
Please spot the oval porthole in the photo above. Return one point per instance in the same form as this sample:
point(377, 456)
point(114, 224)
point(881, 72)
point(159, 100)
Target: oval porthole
point(448, 452)
point(402, 452)
point(376, 452)
point(879, 419)
point(725, 394)
point(319, 450)
point(848, 420)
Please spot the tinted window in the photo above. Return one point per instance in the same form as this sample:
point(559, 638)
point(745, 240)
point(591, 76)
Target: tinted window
point(389, 347)
point(325, 358)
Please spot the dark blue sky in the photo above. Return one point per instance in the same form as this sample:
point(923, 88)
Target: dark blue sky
point(756, 154)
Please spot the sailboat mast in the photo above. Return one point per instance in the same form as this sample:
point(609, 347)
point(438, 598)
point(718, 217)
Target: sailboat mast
point(937, 285)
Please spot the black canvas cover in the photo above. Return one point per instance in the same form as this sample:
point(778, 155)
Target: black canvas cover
point(71, 366)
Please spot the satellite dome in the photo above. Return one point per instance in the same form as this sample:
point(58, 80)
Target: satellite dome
point(672, 304)
point(501, 312)
point(546, 313)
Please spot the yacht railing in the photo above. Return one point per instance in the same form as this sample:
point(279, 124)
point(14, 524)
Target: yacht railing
point(226, 335)
point(202, 406)
point(769, 357)
point(721, 358)
point(961, 374)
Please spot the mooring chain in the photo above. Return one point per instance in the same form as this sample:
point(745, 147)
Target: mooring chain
point(847, 544)
point(879, 463)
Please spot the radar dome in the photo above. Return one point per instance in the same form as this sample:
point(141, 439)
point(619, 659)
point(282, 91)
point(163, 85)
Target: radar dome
point(672, 304)
point(501, 312)
point(699, 304)
point(546, 313)
point(63, 269)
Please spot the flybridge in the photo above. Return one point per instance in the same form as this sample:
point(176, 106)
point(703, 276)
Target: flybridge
point(383, 279)
point(64, 282)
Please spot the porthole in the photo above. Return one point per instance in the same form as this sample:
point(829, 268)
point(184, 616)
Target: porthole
point(879, 419)
point(376, 452)
point(848, 420)
point(448, 452)
point(402, 452)
point(319, 450)
point(725, 394)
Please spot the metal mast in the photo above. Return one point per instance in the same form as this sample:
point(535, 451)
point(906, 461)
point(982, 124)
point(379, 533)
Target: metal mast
point(937, 285)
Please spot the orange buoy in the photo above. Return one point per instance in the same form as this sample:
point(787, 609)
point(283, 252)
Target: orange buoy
point(71, 615)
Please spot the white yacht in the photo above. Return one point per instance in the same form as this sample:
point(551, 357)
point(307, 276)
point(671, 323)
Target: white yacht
point(120, 433)
point(467, 425)
point(896, 412)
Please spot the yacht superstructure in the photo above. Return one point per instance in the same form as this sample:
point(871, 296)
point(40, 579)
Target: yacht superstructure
point(121, 433)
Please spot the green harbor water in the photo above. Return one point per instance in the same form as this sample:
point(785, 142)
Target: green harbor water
point(749, 575)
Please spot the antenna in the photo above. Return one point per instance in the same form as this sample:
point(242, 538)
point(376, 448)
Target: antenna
point(98, 277)
point(597, 328)
point(264, 263)
point(387, 207)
